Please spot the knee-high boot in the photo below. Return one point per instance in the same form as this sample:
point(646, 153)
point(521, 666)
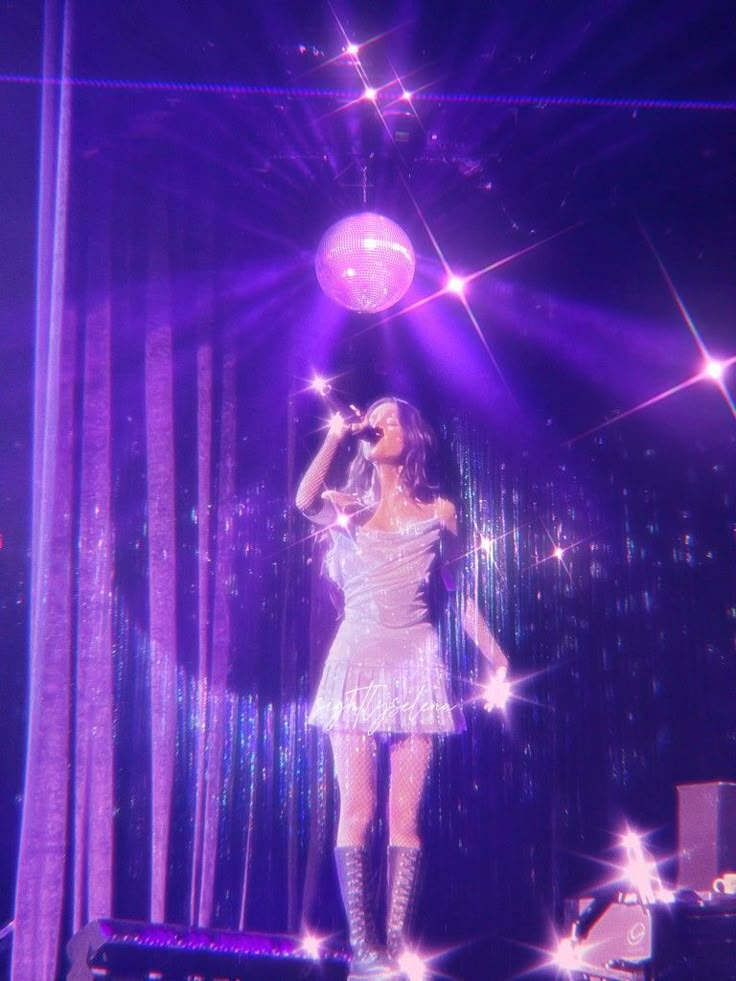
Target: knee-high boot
point(370, 961)
point(403, 868)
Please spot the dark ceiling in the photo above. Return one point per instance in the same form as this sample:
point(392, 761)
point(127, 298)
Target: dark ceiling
point(530, 118)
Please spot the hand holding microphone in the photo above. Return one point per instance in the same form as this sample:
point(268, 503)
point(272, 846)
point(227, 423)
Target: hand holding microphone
point(357, 427)
point(347, 419)
point(361, 430)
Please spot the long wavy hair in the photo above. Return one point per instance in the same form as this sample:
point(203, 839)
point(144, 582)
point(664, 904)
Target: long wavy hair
point(419, 446)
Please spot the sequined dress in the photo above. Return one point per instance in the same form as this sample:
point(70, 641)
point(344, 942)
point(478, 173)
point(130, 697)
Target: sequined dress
point(384, 672)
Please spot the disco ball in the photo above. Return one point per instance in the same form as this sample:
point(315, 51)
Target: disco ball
point(365, 262)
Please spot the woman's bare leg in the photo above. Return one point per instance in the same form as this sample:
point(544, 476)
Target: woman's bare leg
point(410, 759)
point(355, 755)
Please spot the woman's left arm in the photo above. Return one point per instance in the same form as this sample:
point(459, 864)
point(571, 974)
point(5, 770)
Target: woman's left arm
point(474, 623)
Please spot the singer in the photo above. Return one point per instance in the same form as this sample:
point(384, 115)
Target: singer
point(384, 677)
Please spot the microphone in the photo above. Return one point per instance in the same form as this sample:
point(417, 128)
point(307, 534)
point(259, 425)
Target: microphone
point(369, 434)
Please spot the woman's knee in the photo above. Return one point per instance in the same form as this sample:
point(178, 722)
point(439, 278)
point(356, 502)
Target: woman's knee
point(353, 826)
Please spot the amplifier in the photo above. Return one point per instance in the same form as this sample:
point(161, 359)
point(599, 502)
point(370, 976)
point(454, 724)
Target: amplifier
point(626, 941)
point(688, 940)
point(123, 950)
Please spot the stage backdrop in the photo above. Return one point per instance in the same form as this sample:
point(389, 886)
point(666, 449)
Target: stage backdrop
point(178, 617)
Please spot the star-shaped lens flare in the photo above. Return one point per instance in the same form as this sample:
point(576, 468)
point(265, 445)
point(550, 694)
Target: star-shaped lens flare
point(311, 945)
point(352, 49)
point(712, 369)
point(565, 955)
point(413, 966)
point(705, 373)
point(635, 874)
point(559, 551)
point(320, 385)
point(497, 691)
point(569, 956)
point(636, 880)
point(485, 544)
point(456, 285)
point(641, 869)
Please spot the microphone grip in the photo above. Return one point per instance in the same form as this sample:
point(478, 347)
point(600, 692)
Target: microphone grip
point(369, 434)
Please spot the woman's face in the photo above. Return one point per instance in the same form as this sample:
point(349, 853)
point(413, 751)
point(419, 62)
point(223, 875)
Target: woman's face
point(390, 447)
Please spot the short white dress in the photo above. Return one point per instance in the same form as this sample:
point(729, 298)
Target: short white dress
point(384, 672)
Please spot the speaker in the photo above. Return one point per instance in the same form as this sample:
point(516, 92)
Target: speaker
point(124, 950)
point(616, 937)
point(621, 940)
point(706, 833)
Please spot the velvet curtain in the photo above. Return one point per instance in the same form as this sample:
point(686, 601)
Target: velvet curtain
point(40, 892)
point(137, 747)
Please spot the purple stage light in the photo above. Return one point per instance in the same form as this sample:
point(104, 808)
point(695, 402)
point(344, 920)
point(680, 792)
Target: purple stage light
point(714, 369)
point(455, 284)
point(365, 262)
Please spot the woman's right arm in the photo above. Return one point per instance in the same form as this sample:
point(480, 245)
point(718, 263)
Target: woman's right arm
point(309, 498)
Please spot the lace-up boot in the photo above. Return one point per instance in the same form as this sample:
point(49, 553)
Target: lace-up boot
point(403, 868)
point(370, 961)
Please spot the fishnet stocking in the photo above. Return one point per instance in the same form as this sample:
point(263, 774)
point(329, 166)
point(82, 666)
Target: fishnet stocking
point(355, 757)
point(410, 759)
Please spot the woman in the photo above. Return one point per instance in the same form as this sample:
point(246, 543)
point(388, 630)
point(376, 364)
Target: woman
point(384, 677)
